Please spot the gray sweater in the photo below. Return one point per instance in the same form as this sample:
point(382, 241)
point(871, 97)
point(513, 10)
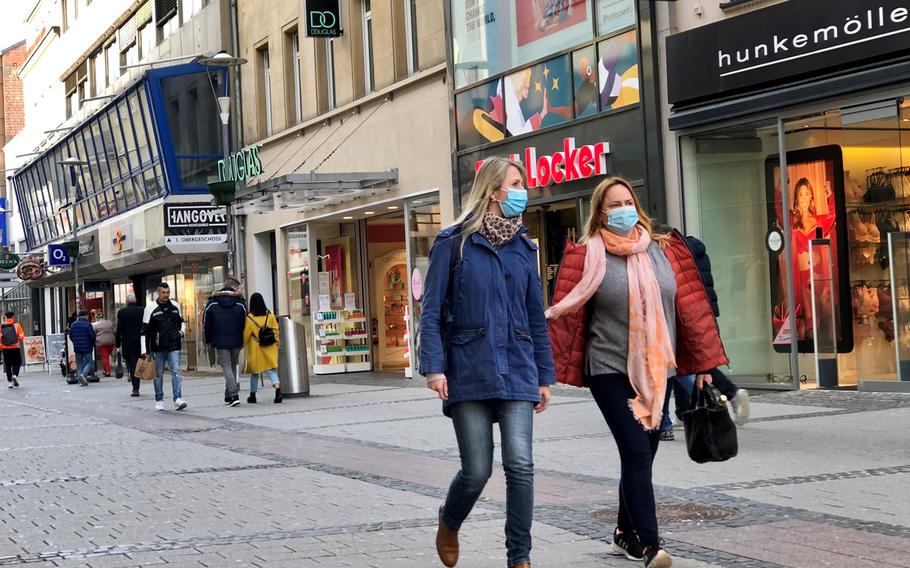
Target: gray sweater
point(608, 330)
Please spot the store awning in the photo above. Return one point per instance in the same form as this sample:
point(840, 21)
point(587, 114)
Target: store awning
point(312, 190)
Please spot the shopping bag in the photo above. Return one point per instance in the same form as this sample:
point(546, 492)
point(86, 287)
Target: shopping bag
point(145, 368)
point(710, 431)
point(118, 370)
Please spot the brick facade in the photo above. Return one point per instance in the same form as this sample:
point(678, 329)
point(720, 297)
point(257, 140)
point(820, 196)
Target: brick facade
point(12, 105)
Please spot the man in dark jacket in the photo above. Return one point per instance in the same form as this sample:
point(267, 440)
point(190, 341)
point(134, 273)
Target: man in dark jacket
point(163, 329)
point(224, 320)
point(82, 334)
point(128, 337)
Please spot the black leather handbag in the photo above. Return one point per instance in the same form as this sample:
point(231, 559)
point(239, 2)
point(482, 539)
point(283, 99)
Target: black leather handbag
point(710, 431)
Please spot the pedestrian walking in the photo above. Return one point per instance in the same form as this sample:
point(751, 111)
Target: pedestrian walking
point(11, 335)
point(82, 334)
point(485, 351)
point(260, 338)
point(105, 340)
point(163, 329)
point(128, 338)
point(224, 321)
point(635, 313)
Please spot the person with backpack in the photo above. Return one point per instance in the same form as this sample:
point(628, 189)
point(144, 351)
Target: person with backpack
point(11, 335)
point(82, 334)
point(260, 337)
point(224, 320)
point(485, 351)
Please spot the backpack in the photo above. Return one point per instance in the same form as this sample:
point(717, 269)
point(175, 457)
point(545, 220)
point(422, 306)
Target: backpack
point(266, 335)
point(9, 337)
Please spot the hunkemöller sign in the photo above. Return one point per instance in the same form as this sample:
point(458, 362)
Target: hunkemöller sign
point(561, 167)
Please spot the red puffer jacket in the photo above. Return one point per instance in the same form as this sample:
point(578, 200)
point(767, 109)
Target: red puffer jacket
point(698, 344)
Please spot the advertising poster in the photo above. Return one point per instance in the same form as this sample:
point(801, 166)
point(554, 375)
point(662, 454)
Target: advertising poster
point(619, 85)
point(479, 115)
point(817, 211)
point(584, 65)
point(33, 346)
point(538, 97)
point(537, 19)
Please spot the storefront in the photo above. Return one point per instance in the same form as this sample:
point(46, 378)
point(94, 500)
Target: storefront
point(571, 96)
point(139, 202)
point(794, 131)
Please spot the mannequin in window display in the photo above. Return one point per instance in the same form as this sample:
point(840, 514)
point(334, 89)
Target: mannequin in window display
point(808, 224)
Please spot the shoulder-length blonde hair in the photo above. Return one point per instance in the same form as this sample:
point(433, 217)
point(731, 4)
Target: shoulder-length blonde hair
point(595, 221)
point(489, 178)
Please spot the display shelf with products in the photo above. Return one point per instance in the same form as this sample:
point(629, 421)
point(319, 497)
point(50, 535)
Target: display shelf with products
point(341, 342)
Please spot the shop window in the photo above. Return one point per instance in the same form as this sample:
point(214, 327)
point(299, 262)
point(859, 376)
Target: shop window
point(479, 115)
point(482, 46)
point(618, 72)
point(538, 97)
point(614, 15)
point(726, 206)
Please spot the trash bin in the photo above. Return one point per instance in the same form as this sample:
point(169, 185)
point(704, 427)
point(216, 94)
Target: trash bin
point(293, 371)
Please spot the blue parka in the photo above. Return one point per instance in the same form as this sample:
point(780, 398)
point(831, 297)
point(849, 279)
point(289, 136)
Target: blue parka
point(82, 334)
point(482, 321)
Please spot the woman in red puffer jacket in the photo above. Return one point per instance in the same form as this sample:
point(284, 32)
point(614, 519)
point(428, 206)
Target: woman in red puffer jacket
point(630, 311)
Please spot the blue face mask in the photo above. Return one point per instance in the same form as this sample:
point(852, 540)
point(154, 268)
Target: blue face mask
point(622, 219)
point(514, 205)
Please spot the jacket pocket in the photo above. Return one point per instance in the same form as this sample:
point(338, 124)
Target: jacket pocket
point(469, 355)
point(465, 336)
point(523, 335)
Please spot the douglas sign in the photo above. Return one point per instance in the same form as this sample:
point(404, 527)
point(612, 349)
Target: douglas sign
point(561, 167)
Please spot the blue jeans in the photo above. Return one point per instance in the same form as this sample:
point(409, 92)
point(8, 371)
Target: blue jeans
point(271, 374)
point(680, 387)
point(172, 358)
point(85, 364)
point(473, 421)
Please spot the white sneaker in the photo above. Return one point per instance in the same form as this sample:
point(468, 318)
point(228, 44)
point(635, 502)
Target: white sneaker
point(159, 405)
point(179, 404)
point(741, 407)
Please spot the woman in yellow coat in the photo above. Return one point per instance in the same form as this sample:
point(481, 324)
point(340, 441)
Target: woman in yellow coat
point(260, 337)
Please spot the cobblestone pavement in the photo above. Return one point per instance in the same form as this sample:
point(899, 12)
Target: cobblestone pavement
point(353, 475)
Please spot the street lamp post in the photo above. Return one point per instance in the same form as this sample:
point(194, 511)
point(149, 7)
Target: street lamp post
point(225, 60)
point(72, 164)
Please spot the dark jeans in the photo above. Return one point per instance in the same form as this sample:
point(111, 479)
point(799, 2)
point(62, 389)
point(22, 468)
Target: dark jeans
point(637, 448)
point(680, 388)
point(473, 423)
point(12, 362)
point(131, 359)
point(723, 384)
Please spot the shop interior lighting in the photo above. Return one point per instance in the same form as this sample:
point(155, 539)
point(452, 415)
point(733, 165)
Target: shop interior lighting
point(347, 218)
point(369, 212)
point(392, 207)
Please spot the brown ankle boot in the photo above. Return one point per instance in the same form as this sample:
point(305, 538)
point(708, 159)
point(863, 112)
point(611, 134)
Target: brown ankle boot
point(446, 543)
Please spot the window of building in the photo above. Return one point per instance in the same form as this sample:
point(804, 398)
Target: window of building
point(330, 71)
point(146, 41)
point(98, 73)
point(130, 55)
point(410, 27)
point(166, 18)
point(111, 64)
point(189, 8)
point(369, 76)
point(265, 90)
point(292, 75)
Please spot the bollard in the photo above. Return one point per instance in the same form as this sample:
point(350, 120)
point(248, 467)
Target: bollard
point(293, 371)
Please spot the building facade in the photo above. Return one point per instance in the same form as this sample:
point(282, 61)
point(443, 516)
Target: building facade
point(122, 136)
point(352, 133)
point(787, 136)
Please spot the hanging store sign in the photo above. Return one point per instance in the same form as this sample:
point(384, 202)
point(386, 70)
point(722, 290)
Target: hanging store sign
point(121, 239)
point(241, 165)
point(195, 217)
point(30, 268)
point(323, 18)
point(196, 243)
point(786, 42)
point(9, 261)
point(562, 167)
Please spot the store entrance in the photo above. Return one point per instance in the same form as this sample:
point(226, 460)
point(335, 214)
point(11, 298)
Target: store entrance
point(549, 226)
point(388, 283)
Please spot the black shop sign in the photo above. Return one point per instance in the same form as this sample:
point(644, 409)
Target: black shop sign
point(323, 18)
point(786, 42)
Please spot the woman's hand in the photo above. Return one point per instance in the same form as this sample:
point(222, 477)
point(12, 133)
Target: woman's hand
point(437, 383)
point(702, 380)
point(545, 396)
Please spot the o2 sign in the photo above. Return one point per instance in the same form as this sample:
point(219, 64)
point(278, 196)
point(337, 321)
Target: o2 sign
point(323, 18)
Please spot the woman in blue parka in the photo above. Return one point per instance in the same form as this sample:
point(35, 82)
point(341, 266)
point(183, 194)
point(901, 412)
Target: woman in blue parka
point(484, 350)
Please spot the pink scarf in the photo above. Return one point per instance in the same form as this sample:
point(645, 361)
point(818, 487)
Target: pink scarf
point(651, 355)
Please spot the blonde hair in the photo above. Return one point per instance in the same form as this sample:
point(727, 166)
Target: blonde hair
point(595, 223)
point(489, 178)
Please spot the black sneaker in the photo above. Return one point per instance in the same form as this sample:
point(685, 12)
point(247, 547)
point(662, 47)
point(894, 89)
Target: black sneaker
point(657, 558)
point(667, 436)
point(626, 544)
point(235, 401)
point(15, 381)
point(251, 399)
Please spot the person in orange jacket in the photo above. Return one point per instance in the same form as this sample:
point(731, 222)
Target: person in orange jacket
point(11, 335)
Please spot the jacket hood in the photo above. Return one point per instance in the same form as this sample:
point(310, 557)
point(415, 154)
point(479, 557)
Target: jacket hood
point(697, 247)
point(227, 300)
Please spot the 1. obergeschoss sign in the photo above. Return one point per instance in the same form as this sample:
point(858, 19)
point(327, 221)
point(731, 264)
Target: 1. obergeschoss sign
point(782, 43)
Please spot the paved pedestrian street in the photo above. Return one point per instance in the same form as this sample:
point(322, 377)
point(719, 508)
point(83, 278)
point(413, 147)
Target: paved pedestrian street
point(353, 476)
